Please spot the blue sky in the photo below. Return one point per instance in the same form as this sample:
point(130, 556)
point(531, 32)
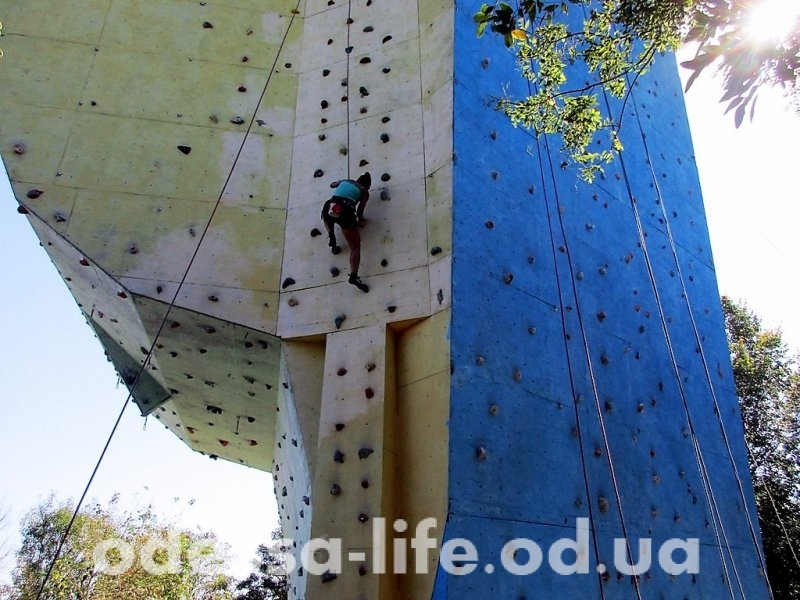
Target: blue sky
point(59, 396)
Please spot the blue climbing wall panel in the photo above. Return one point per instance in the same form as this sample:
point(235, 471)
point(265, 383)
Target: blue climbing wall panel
point(591, 376)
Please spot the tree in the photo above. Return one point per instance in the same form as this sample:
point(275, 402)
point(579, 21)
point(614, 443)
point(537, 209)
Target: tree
point(768, 384)
point(269, 581)
point(614, 42)
point(110, 555)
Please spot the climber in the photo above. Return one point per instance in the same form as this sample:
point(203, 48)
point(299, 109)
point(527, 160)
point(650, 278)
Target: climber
point(346, 208)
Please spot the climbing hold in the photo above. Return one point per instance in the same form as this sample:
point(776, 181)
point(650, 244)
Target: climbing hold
point(480, 453)
point(343, 150)
point(339, 426)
point(34, 193)
point(386, 39)
point(159, 289)
point(237, 120)
point(315, 232)
point(601, 316)
point(306, 500)
point(321, 137)
point(386, 119)
point(517, 376)
point(335, 489)
point(287, 282)
point(287, 65)
point(369, 393)
point(494, 410)
point(335, 272)
point(319, 173)
point(489, 224)
point(348, 50)
point(293, 302)
point(385, 195)
point(364, 453)
point(384, 137)
point(326, 72)
point(391, 308)
point(242, 88)
point(363, 518)
point(350, 21)
point(207, 25)
point(327, 577)
point(341, 372)
point(284, 492)
point(386, 69)
point(365, 60)
point(245, 59)
point(436, 250)
point(603, 504)
point(19, 149)
point(508, 278)
point(370, 367)
point(365, 483)
point(339, 320)
point(22, 210)
point(59, 217)
point(223, 442)
point(338, 457)
point(185, 149)
point(363, 91)
point(604, 360)
point(368, 29)
point(485, 63)
point(122, 295)
point(385, 177)
point(324, 104)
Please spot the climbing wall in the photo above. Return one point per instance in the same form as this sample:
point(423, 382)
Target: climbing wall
point(591, 376)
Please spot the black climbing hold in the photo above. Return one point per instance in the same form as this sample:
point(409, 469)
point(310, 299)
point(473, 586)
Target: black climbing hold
point(384, 137)
point(327, 577)
point(369, 393)
point(319, 173)
point(287, 282)
point(133, 249)
point(185, 149)
point(22, 210)
point(335, 272)
point(385, 177)
point(436, 250)
point(242, 88)
point(324, 104)
point(326, 72)
point(386, 39)
point(34, 193)
point(364, 453)
point(245, 59)
point(339, 426)
point(348, 50)
point(315, 232)
point(341, 372)
point(363, 162)
point(363, 518)
point(306, 500)
point(339, 320)
point(207, 25)
point(508, 278)
point(391, 308)
point(384, 263)
point(365, 60)
point(287, 65)
point(60, 218)
point(335, 489)
point(338, 457)
point(321, 137)
point(368, 29)
point(385, 195)
point(237, 120)
point(386, 69)
point(363, 91)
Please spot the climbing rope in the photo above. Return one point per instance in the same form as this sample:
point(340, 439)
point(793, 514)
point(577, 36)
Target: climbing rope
point(719, 527)
point(171, 305)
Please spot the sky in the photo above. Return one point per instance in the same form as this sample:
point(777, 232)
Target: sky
point(59, 396)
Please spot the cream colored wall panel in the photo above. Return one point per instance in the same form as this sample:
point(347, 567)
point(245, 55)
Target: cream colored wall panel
point(386, 23)
point(78, 21)
point(129, 155)
point(439, 216)
point(41, 134)
point(437, 66)
point(322, 102)
point(47, 83)
point(438, 126)
point(424, 350)
point(324, 35)
point(233, 33)
point(316, 164)
point(393, 297)
point(441, 285)
point(430, 10)
point(259, 177)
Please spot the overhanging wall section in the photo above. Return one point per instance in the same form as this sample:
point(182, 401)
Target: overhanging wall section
point(589, 356)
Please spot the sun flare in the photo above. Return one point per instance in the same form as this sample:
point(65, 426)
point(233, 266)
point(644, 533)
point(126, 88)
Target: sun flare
point(772, 20)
